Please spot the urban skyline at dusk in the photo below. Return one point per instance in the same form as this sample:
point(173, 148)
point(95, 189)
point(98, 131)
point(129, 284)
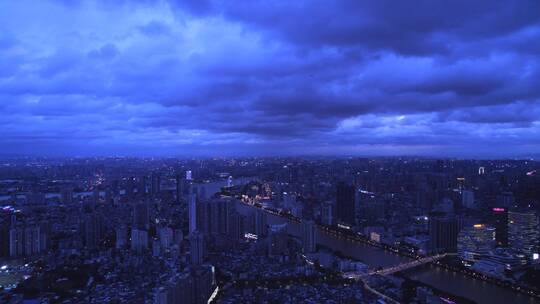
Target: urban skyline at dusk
point(216, 78)
point(250, 151)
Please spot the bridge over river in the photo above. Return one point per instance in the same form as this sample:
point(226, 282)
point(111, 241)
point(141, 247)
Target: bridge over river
point(446, 280)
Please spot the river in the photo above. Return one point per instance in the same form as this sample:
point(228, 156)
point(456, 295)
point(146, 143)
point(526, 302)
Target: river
point(442, 279)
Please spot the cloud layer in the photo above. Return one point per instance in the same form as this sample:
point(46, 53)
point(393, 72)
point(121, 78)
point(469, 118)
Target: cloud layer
point(456, 78)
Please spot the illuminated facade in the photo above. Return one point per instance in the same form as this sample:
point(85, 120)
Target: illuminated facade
point(523, 234)
point(475, 241)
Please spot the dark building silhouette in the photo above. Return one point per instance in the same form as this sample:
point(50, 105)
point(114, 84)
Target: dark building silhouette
point(443, 232)
point(345, 195)
point(499, 219)
point(141, 216)
point(196, 248)
point(155, 186)
point(141, 189)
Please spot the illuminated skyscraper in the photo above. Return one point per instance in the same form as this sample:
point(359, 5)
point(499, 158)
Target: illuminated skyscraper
point(523, 234)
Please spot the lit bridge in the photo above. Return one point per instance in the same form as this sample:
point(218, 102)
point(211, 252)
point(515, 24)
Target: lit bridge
point(394, 269)
point(363, 276)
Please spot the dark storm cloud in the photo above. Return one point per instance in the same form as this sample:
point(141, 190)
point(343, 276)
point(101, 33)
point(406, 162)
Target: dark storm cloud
point(418, 77)
point(414, 27)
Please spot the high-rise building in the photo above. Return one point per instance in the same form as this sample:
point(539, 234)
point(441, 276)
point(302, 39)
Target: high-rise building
point(141, 189)
point(192, 205)
point(188, 175)
point(130, 188)
point(523, 234)
point(121, 237)
point(180, 188)
point(139, 240)
point(443, 232)
point(16, 242)
point(277, 240)
point(165, 236)
point(499, 220)
point(475, 242)
point(196, 247)
point(212, 216)
point(467, 199)
point(141, 215)
point(203, 278)
point(91, 229)
point(327, 213)
point(308, 236)
point(237, 226)
point(260, 223)
point(27, 240)
point(345, 203)
point(115, 187)
point(155, 186)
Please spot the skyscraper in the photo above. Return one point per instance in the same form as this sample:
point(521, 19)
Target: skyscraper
point(308, 236)
point(327, 213)
point(196, 247)
point(523, 234)
point(121, 237)
point(345, 202)
point(141, 189)
point(141, 216)
point(179, 188)
point(155, 186)
point(192, 205)
point(499, 220)
point(139, 240)
point(91, 229)
point(130, 188)
point(260, 223)
point(467, 199)
point(443, 232)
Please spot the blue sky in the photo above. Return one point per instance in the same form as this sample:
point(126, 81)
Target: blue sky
point(167, 78)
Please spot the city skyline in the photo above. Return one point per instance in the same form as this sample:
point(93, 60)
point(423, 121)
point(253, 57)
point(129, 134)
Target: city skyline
point(210, 78)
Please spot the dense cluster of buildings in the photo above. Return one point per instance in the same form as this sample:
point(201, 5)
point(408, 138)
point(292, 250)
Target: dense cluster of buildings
point(181, 228)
